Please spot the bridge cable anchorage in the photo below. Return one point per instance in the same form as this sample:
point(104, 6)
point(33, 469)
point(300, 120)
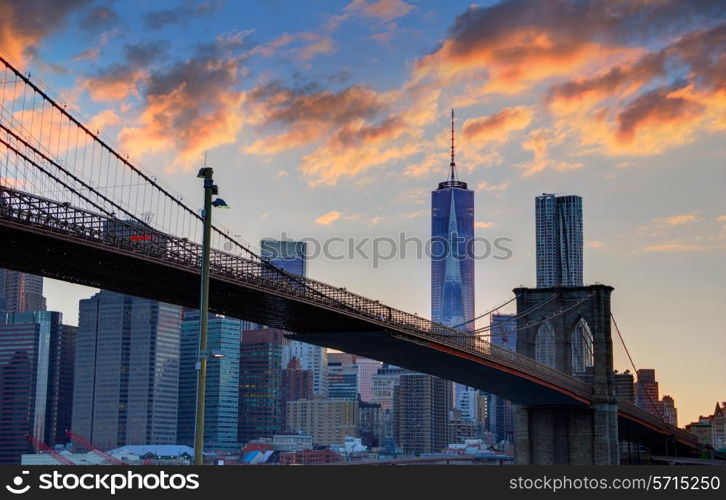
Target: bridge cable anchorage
point(486, 313)
point(627, 352)
point(518, 316)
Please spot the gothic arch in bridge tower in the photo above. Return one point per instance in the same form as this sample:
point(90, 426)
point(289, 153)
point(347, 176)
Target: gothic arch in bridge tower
point(582, 356)
point(545, 345)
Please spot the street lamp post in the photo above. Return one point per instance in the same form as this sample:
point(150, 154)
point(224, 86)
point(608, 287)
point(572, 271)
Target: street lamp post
point(209, 190)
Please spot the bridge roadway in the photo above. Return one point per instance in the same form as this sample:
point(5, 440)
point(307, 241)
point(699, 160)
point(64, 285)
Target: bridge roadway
point(57, 240)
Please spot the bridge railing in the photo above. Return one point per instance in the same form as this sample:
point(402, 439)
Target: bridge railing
point(628, 408)
point(130, 236)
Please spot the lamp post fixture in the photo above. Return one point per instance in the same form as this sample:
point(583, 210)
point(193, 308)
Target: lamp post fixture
point(210, 189)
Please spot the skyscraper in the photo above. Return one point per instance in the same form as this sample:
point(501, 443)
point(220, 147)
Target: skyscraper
point(559, 240)
point(296, 384)
point(421, 410)
point(288, 255)
point(127, 371)
point(343, 374)
point(452, 262)
point(367, 368)
point(221, 410)
point(20, 292)
point(33, 392)
point(503, 330)
point(646, 391)
point(291, 256)
point(260, 383)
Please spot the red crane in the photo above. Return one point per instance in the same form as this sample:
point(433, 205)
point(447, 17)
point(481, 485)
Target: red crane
point(41, 446)
point(86, 444)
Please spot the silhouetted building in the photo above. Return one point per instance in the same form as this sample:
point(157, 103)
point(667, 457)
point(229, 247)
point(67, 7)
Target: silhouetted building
point(669, 411)
point(559, 240)
point(33, 394)
point(20, 292)
point(127, 371)
point(296, 384)
point(646, 392)
point(260, 383)
point(221, 410)
point(624, 386)
point(421, 409)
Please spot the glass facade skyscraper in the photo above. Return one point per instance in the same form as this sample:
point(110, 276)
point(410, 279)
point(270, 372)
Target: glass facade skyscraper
point(127, 371)
point(221, 411)
point(260, 383)
point(291, 256)
point(559, 240)
point(501, 417)
point(33, 364)
point(452, 262)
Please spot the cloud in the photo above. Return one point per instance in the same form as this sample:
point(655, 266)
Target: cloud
point(485, 186)
point(634, 108)
point(680, 247)
point(483, 224)
point(328, 218)
point(25, 24)
point(185, 12)
point(119, 80)
point(306, 114)
point(519, 43)
point(334, 215)
point(594, 244)
point(677, 220)
point(497, 127)
point(540, 142)
point(383, 10)
point(191, 106)
point(99, 19)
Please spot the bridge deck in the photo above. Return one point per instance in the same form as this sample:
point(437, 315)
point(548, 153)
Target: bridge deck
point(54, 239)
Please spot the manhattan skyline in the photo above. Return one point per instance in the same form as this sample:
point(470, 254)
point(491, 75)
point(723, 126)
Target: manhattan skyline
point(628, 119)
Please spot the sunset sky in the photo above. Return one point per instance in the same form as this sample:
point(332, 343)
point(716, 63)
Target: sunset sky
point(331, 118)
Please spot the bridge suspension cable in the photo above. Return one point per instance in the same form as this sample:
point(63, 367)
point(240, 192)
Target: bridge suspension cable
point(519, 316)
point(486, 313)
point(539, 322)
point(654, 404)
point(61, 156)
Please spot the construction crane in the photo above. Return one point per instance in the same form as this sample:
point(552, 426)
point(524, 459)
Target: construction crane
point(86, 444)
point(41, 446)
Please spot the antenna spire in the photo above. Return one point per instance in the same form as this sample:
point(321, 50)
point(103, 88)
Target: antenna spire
point(452, 174)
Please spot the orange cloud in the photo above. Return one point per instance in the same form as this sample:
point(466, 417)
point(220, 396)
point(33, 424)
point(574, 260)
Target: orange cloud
point(680, 247)
point(355, 148)
point(497, 127)
point(328, 218)
point(540, 142)
point(483, 224)
point(485, 186)
point(24, 25)
point(191, 106)
point(677, 220)
point(512, 46)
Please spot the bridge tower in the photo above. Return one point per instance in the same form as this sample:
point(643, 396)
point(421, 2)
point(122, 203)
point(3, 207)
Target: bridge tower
point(576, 340)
